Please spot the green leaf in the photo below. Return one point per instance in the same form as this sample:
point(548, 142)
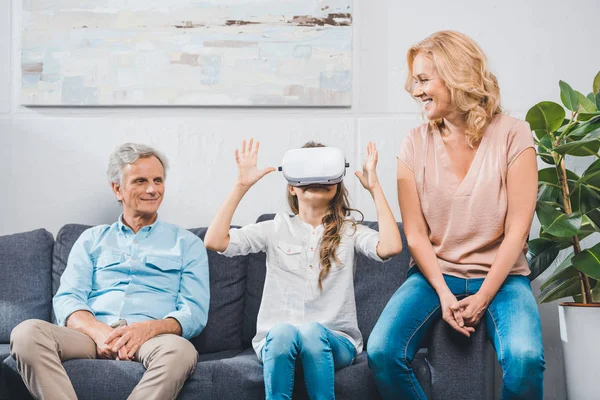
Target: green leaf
point(584, 199)
point(598, 100)
point(584, 128)
point(546, 158)
point(566, 242)
point(588, 261)
point(549, 194)
point(564, 270)
point(593, 179)
point(560, 288)
point(592, 135)
point(586, 146)
point(563, 126)
point(546, 116)
point(592, 168)
point(585, 231)
point(566, 263)
point(585, 104)
point(579, 148)
point(549, 175)
point(592, 97)
point(546, 142)
point(556, 222)
point(586, 116)
point(596, 84)
point(540, 255)
point(568, 96)
point(594, 216)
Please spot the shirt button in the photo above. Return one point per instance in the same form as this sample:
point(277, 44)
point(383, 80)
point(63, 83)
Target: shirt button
point(135, 241)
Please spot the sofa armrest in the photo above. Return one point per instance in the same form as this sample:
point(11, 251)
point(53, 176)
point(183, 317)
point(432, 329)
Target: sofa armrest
point(461, 367)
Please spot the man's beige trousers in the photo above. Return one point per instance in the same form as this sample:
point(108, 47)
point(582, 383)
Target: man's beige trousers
point(40, 347)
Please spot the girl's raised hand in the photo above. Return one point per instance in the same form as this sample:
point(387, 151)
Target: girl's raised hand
point(246, 159)
point(368, 176)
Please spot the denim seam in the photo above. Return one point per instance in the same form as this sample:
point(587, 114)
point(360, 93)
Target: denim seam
point(332, 364)
point(409, 340)
point(499, 339)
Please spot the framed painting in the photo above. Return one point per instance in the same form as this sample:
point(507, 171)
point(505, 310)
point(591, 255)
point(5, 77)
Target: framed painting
point(186, 53)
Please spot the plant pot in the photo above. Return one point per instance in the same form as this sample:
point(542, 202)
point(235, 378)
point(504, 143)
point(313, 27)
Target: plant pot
point(579, 333)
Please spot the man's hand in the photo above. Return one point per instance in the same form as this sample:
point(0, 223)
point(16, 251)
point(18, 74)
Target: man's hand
point(85, 322)
point(122, 353)
point(99, 333)
point(129, 337)
point(472, 308)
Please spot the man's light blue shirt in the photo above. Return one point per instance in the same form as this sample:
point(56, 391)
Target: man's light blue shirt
point(160, 272)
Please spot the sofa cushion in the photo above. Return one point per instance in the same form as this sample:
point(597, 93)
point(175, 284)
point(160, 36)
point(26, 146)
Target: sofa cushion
point(227, 285)
point(255, 281)
point(25, 286)
point(4, 351)
point(223, 330)
point(109, 379)
point(244, 376)
point(66, 238)
point(376, 282)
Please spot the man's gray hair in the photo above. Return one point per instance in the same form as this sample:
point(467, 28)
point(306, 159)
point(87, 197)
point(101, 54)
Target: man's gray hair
point(128, 153)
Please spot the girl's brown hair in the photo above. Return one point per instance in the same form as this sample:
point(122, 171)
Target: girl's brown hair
point(333, 221)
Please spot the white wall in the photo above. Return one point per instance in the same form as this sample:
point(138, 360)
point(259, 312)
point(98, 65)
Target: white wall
point(53, 160)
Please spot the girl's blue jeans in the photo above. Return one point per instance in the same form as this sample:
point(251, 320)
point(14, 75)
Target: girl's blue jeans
point(320, 350)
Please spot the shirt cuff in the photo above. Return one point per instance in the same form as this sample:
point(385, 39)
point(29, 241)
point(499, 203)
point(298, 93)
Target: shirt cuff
point(65, 311)
point(372, 248)
point(232, 249)
point(187, 331)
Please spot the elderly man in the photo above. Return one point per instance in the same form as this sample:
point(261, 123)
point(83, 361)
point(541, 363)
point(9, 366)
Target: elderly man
point(133, 290)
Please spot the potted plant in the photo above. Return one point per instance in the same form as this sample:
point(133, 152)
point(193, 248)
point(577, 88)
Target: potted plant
point(568, 208)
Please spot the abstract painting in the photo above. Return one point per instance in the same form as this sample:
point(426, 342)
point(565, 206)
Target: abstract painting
point(187, 53)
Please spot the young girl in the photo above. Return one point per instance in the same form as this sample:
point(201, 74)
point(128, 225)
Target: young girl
point(308, 309)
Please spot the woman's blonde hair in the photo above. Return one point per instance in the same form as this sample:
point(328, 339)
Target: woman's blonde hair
point(333, 221)
point(463, 67)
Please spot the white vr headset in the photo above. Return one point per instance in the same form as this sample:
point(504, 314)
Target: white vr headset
point(314, 165)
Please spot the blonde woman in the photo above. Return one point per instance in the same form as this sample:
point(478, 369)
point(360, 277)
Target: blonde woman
point(307, 311)
point(467, 183)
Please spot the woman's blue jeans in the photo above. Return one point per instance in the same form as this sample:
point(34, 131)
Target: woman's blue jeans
point(513, 327)
point(321, 351)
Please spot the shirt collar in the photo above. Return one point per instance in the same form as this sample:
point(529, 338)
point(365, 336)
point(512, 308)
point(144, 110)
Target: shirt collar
point(148, 228)
point(307, 226)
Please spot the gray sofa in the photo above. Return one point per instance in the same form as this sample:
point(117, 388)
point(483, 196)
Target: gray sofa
point(31, 264)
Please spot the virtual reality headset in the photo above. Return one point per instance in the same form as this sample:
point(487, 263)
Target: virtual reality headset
point(314, 165)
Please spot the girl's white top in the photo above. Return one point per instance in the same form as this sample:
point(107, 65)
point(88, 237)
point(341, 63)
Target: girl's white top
point(291, 293)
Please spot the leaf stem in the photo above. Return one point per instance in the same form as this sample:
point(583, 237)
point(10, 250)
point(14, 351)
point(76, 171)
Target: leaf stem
point(561, 170)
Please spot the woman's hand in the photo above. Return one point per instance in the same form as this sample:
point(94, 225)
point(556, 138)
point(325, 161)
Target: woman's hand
point(246, 158)
point(368, 176)
point(451, 313)
point(472, 308)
